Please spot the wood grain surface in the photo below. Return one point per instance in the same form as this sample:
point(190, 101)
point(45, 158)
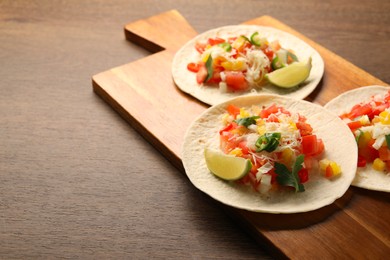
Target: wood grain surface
point(142, 92)
point(76, 181)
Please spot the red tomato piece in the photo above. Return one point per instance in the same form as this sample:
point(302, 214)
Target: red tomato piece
point(233, 110)
point(215, 41)
point(236, 80)
point(320, 147)
point(227, 142)
point(361, 161)
point(266, 112)
point(229, 127)
point(269, 53)
point(200, 47)
point(309, 144)
point(193, 67)
point(304, 128)
point(369, 152)
point(360, 110)
point(303, 175)
point(216, 78)
point(201, 75)
point(384, 153)
point(244, 148)
point(353, 125)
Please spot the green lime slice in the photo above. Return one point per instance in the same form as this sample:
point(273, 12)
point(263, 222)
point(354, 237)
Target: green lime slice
point(290, 76)
point(226, 167)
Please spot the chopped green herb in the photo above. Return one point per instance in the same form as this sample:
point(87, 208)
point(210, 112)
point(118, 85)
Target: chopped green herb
point(209, 67)
point(247, 121)
point(388, 141)
point(268, 142)
point(287, 178)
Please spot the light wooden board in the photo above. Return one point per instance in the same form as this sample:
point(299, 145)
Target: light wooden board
point(143, 93)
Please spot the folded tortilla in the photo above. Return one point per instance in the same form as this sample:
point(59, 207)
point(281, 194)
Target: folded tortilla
point(366, 177)
point(319, 191)
point(186, 80)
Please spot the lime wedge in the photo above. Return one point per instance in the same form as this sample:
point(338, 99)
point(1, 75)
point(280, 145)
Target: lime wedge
point(290, 76)
point(226, 167)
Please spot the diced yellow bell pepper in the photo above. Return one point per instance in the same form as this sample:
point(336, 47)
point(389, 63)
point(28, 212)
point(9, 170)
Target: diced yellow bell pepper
point(205, 57)
point(364, 138)
point(329, 168)
point(287, 156)
point(236, 65)
point(384, 117)
point(244, 113)
point(239, 43)
point(236, 152)
point(378, 165)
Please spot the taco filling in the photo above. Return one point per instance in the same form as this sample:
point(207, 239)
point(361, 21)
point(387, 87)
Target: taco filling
point(369, 121)
point(237, 64)
point(282, 146)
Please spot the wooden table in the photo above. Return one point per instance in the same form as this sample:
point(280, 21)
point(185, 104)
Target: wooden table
point(76, 181)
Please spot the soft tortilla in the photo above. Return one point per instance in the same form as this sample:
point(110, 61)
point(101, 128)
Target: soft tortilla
point(186, 80)
point(366, 177)
point(319, 191)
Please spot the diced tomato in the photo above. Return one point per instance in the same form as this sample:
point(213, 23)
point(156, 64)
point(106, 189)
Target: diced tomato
point(229, 127)
point(369, 152)
point(266, 112)
point(200, 47)
point(384, 153)
point(304, 128)
point(353, 125)
point(320, 147)
point(309, 144)
point(303, 175)
point(361, 161)
point(215, 41)
point(236, 81)
point(201, 75)
point(378, 109)
point(227, 142)
point(216, 78)
point(193, 67)
point(244, 148)
point(269, 53)
point(273, 175)
point(360, 110)
point(233, 110)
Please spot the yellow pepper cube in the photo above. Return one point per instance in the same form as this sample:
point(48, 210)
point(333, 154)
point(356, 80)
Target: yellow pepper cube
point(244, 113)
point(336, 169)
point(378, 165)
point(236, 152)
point(384, 117)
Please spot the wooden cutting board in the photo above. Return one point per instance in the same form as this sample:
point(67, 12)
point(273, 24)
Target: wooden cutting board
point(143, 93)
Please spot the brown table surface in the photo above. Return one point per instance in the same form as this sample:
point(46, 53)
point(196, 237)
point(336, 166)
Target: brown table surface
point(76, 181)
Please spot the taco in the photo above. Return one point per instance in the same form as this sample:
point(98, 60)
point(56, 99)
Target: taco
point(268, 125)
point(366, 110)
point(236, 60)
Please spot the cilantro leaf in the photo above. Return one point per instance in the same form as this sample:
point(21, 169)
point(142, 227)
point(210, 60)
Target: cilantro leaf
point(247, 121)
point(388, 141)
point(287, 178)
point(209, 67)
